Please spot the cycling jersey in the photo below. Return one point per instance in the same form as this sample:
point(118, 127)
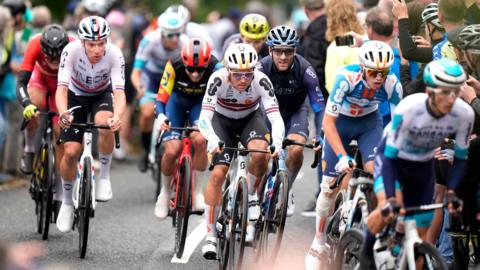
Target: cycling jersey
point(222, 98)
point(444, 49)
point(352, 97)
point(176, 79)
point(151, 54)
point(293, 86)
point(237, 38)
point(86, 79)
point(414, 133)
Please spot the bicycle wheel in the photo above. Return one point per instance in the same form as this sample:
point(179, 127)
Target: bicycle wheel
point(238, 225)
point(347, 252)
point(84, 206)
point(430, 256)
point(275, 217)
point(157, 171)
point(48, 184)
point(336, 223)
point(222, 237)
point(183, 205)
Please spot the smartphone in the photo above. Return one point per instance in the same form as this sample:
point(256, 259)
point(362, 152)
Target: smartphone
point(346, 40)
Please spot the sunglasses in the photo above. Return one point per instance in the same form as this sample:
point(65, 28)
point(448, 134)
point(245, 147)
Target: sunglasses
point(172, 35)
point(237, 75)
point(374, 72)
point(287, 52)
point(192, 69)
point(446, 92)
point(53, 59)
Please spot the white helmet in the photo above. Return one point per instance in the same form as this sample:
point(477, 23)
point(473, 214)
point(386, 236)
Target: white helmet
point(182, 12)
point(376, 54)
point(170, 23)
point(241, 56)
point(93, 28)
point(96, 6)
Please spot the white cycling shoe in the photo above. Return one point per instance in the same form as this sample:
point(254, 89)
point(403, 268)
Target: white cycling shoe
point(65, 218)
point(103, 190)
point(291, 204)
point(161, 206)
point(316, 257)
point(209, 249)
point(250, 232)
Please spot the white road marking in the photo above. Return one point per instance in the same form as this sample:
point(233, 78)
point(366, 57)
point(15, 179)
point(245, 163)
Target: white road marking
point(191, 243)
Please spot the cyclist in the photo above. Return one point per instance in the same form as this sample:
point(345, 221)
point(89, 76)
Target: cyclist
point(37, 78)
point(253, 31)
point(352, 113)
point(419, 125)
point(230, 108)
point(181, 90)
point(293, 80)
point(153, 53)
point(90, 70)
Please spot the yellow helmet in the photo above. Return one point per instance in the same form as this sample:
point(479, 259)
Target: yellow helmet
point(254, 26)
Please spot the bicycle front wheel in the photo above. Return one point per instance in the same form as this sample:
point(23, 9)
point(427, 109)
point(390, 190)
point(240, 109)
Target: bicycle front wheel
point(224, 218)
point(84, 206)
point(275, 217)
point(347, 253)
point(157, 171)
point(183, 206)
point(428, 257)
point(238, 225)
point(48, 186)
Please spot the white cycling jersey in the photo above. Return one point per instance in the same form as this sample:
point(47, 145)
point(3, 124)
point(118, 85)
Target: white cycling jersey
point(414, 133)
point(231, 103)
point(86, 79)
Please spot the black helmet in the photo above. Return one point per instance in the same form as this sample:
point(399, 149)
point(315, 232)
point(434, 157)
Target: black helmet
point(15, 6)
point(53, 40)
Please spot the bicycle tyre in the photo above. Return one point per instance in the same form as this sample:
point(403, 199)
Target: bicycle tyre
point(431, 253)
point(223, 242)
point(84, 206)
point(157, 171)
point(48, 179)
point(275, 218)
point(347, 252)
point(182, 208)
point(238, 218)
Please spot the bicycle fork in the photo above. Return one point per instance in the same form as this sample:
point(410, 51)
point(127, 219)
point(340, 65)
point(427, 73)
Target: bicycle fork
point(87, 152)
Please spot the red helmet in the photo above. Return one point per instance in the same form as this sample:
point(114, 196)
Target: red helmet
point(196, 53)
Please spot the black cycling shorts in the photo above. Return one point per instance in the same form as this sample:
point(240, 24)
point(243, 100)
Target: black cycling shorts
point(90, 106)
point(231, 131)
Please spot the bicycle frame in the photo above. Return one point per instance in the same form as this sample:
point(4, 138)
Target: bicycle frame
point(357, 198)
point(237, 171)
point(185, 153)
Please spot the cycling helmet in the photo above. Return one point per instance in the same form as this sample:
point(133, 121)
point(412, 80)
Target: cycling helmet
point(376, 54)
point(444, 72)
point(53, 40)
point(254, 26)
point(469, 38)
point(170, 23)
point(93, 28)
point(430, 14)
point(196, 53)
point(182, 12)
point(241, 56)
point(282, 36)
point(96, 6)
point(15, 6)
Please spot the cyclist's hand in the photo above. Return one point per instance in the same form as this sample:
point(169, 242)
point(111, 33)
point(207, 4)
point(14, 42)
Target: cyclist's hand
point(140, 91)
point(315, 140)
point(454, 204)
point(65, 119)
point(276, 153)
point(161, 119)
point(343, 164)
point(30, 112)
point(115, 123)
point(389, 210)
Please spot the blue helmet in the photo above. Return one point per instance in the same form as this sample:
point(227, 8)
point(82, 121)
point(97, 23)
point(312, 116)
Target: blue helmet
point(282, 36)
point(444, 72)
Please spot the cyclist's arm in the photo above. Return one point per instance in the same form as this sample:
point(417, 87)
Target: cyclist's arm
point(64, 76)
point(208, 109)
point(332, 111)
point(32, 53)
point(394, 90)
point(400, 117)
point(165, 88)
point(462, 143)
point(315, 96)
point(270, 105)
point(118, 83)
point(61, 98)
point(141, 58)
point(22, 82)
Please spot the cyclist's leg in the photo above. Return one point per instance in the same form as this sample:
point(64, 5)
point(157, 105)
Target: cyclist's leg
point(368, 139)
point(102, 109)
point(297, 130)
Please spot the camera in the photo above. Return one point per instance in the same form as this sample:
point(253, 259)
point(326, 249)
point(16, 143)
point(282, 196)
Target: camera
point(346, 40)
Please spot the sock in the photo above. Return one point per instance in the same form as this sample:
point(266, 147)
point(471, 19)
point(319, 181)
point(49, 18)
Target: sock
point(67, 192)
point(30, 136)
point(251, 179)
point(367, 249)
point(166, 183)
point(199, 179)
point(211, 214)
point(146, 138)
point(106, 161)
point(291, 178)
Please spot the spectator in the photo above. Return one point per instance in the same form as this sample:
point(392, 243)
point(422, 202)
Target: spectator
point(341, 19)
point(473, 11)
point(450, 14)
point(41, 17)
point(6, 42)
